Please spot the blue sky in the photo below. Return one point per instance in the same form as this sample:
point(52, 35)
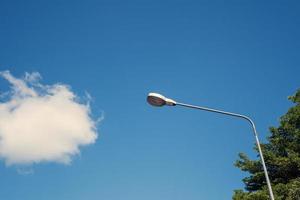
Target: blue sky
point(240, 56)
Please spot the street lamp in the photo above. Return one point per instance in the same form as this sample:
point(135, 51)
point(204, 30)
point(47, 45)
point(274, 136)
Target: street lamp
point(159, 100)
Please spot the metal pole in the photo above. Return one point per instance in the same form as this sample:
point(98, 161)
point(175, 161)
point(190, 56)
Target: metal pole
point(255, 134)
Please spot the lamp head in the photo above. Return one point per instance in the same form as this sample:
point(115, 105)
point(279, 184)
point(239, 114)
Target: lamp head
point(159, 100)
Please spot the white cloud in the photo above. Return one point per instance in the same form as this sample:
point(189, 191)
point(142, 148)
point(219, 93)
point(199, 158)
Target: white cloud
point(41, 123)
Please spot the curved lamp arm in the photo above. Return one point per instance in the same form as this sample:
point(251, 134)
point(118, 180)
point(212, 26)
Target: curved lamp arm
point(254, 131)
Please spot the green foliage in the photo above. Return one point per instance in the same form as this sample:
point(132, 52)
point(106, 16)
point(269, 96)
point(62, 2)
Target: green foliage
point(282, 157)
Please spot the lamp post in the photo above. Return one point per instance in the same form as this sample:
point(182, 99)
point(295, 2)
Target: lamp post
point(159, 100)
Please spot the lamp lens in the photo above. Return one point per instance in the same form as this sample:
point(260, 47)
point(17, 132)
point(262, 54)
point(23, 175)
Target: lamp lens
point(155, 101)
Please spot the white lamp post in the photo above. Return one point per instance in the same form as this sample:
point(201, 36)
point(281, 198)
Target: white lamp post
point(159, 100)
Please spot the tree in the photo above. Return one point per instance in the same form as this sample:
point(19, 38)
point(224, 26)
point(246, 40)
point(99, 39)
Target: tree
point(282, 157)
